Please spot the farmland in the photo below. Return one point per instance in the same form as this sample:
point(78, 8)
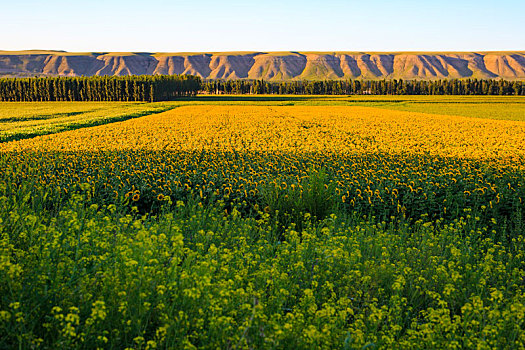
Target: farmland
point(26, 119)
point(264, 222)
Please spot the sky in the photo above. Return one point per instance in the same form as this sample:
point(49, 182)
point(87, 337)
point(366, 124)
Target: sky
point(264, 25)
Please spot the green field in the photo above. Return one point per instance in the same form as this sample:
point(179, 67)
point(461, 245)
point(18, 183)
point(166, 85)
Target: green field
point(270, 222)
point(19, 120)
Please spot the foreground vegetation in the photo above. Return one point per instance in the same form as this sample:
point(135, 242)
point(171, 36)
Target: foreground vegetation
point(266, 227)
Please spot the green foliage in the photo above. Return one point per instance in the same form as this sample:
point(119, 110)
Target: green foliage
point(92, 276)
point(368, 87)
point(311, 198)
point(410, 186)
point(99, 88)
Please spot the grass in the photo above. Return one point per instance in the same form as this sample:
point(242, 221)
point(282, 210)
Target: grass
point(314, 195)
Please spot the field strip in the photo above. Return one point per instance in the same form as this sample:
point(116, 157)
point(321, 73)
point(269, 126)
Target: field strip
point(511, 111)
point(29, 126)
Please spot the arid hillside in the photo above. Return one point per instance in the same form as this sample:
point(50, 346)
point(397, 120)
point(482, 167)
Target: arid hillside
point(274, 66)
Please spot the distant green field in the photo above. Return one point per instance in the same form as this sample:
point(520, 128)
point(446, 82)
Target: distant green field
point(492, 107)
point(508, 111)
point(20, 120)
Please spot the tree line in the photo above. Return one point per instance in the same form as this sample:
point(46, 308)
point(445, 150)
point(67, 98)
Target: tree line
point(168, 87)
point(99, 88)
point(372, 87)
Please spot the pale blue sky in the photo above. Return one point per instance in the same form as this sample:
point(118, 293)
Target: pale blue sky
point(266, 25)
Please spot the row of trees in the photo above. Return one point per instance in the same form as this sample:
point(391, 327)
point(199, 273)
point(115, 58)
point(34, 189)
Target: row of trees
point(373, 87)
point(168, 87)
point(103, 88)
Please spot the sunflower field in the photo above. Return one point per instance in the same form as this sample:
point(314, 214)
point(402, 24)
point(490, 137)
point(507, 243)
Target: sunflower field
point(266, 226)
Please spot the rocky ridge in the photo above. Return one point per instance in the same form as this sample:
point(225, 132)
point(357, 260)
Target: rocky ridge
point(273, 66)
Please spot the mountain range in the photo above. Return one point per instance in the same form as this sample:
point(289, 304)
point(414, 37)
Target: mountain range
point(273, 66)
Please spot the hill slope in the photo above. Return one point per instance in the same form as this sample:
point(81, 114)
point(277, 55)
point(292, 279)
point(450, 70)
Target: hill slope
point(270, 65)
